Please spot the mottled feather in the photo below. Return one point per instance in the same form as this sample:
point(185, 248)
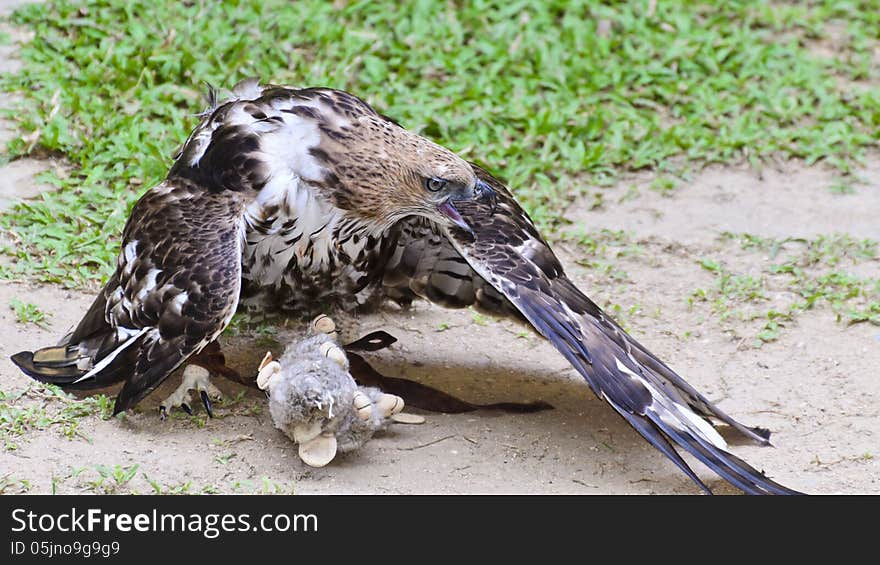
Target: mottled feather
point(175, 288)
point(507, 251)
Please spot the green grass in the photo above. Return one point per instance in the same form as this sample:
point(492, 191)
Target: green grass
point(40, 407)
point(110, 479)
point(27, 313)
point(13, 485)
point(803, 274)
point(598, 250)
point(554, 96)
point(132, 479)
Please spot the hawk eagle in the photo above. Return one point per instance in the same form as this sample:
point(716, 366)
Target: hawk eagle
point(307, 198)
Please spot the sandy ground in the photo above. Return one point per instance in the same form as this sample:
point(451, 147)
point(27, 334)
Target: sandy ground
point(816, 387)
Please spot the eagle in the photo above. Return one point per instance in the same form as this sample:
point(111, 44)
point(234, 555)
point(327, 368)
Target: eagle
point(308, 199)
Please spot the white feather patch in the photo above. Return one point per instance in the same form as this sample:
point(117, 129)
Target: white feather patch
point(178, 302)
point(669, 407)
point(248, 89)
point(310, 214)
point(529, 249)
point(198, 144)
point(127, 258)
point(130, 251)
point(287, 148)
point(111, 356)
point(148, 284)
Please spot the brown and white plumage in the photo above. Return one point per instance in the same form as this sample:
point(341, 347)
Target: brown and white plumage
point(341, 207)
point(175, 289)
point(252, 188)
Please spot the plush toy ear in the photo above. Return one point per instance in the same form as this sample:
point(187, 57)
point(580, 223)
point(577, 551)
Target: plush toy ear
point(363, 406)
point(267, 358)
point(389, 404)
point(319, 451)
point(268, 369)
point(323, 325)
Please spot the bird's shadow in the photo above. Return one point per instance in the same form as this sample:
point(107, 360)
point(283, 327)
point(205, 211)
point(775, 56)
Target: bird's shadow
point(564, 391)
point(576, 413)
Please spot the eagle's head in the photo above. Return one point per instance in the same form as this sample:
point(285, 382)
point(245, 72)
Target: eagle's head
point(379, 171)
point(361, 161)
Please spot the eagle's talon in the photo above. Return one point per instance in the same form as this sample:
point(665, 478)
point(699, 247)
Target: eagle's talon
point(195, 378)
point(206, 402)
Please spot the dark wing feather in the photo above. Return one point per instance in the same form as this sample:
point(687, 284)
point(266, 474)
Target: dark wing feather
point(175, 289)
point(507, 251)
point(423, 263)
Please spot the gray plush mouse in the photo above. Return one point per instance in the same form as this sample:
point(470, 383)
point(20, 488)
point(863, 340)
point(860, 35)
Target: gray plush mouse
point(315, 401)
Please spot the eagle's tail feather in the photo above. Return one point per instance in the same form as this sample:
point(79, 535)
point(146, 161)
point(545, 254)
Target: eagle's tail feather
point(96, 363)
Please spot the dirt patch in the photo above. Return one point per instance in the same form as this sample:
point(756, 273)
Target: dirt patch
point(793, 201)
point(815, 386)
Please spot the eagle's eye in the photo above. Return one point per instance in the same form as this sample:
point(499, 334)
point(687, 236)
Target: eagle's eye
point(434, 184)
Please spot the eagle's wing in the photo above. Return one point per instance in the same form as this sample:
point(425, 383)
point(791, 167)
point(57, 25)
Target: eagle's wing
point(423, 263)
point(175, 289)
point(507, 251)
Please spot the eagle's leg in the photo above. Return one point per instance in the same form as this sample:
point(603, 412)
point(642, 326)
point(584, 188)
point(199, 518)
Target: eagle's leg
point(195, 377)
point(212, 359)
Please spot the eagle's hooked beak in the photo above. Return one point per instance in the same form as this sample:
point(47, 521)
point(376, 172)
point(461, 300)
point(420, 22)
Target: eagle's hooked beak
point(448, 209)
point(482, 193)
